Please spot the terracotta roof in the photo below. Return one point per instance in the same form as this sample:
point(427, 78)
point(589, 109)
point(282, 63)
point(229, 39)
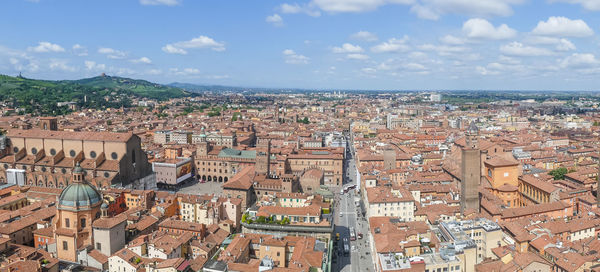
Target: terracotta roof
point(242, 180)
point(67, 135)
point(109, 222)
point(98, 256)
point(500, 162)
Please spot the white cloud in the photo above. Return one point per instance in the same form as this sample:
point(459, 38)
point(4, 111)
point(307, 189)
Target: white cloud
point(122, 71)
point(495, 68)
point(443, 50)
point(482, 29)
point(92, 65)
point(384, 66)
point(425, 12)
point(518, 49)
point(292, 58)
point(414, 66)
point(563, 27)
point(449, 39)
point(195, 43)
point(369, 70)
point(392, 45)
point(217, 76)
point(142, 60)
point(433, 9)
point(185, 71)
point(79, 50)
point(45, 47)
point(426, 9)
point(154, 72)
point(357, 57)
point(160, 2)
point(485, 72)
point(295, 9)
point(173, 50)
point(347, 48)
point(18, 60)
point(354, 5)
point(561, 44)
point(578, 61)
point(417, 55)
point(364, 36)
point(565, 45)
point(542, 40)
point(508, 60)
point(593, 5)
point(112, 53)
point(274, 19)
point(61, 65)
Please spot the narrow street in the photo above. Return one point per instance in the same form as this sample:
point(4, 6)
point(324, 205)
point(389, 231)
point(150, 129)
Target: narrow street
point(348, 214)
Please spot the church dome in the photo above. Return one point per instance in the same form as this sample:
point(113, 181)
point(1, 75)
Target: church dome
point(79, 195)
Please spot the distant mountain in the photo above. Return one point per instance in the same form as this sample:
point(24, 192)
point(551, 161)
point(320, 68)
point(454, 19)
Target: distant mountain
point(199, 88)
point(138, 87)
point(42, 96)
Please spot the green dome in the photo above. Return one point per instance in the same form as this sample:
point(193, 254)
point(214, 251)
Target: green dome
point(79, 196)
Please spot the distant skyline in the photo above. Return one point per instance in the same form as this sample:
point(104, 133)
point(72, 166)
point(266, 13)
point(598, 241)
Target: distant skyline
point(315, 44)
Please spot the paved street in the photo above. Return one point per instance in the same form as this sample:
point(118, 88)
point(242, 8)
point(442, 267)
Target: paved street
point(348, 215)
point(198, 188)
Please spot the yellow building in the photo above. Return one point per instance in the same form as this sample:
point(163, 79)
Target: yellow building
point(78, 206)
point(503, 176)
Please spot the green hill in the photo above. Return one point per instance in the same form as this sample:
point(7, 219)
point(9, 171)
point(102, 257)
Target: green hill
point(41, 96)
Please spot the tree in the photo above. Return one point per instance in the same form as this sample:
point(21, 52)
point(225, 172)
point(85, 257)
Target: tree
point(559, 173)
point(304, 121)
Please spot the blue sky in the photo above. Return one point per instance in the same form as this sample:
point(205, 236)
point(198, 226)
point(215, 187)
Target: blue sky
point(320, 44)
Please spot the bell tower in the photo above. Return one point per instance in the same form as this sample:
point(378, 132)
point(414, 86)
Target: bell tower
point(470, 170)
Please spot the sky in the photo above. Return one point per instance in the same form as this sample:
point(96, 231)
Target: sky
point(313, 44)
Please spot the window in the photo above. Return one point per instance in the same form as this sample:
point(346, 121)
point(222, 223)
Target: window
point(67, 223)
point(98, 246)
point(65, 245)
point(489, 172)
point(83, 222)
point(34, 151)
point(93, 154)
point(15, 149)
point(114, 155)
point(72, 153)
point(52, 151)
